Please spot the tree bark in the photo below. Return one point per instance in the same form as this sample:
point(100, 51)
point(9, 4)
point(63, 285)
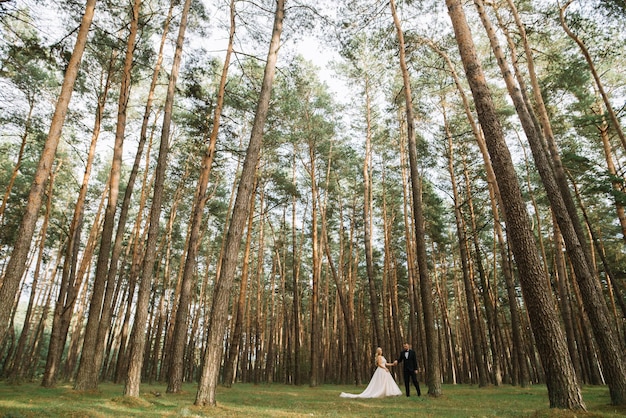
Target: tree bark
point(563, 390)
point(433, 372)
point(138, 334)
point(180, 324)
point(367, 220)
point(468, 280)
point(68, 288)
point(239, 307)
point(17, 263)
point(563, 208)
point(17, 369)
point(99, 313)
point(219, 308)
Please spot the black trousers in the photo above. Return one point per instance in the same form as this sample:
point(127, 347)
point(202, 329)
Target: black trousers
point(410, 375)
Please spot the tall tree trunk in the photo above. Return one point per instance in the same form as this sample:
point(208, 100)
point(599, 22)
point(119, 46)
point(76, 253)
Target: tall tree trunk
point(68, 315)
point(433, 372)
point(235, 339)
point(521, 368)
point(316, 273)
point(478, 358)
point(563, 390)
point(16, 372)
point(221, 294)
point(563, 208)
point(138, 334)
point(135, 266)
point(367, 219)
point(112, 286)
point(68, 288)
point(295, 273)
point(99, 313)
point(174, 383)
point(618, 182)
point(415, 332)
point(489, 300)
point(17, 263)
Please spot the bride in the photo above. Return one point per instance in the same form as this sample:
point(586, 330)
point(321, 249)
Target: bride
point(381, 385)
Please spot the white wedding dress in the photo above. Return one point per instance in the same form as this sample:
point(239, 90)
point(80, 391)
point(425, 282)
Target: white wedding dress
point(381, 385)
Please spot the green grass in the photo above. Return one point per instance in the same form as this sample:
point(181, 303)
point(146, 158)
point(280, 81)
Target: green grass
point(246, 400)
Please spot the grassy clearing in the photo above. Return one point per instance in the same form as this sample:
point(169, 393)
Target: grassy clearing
point(246, 400)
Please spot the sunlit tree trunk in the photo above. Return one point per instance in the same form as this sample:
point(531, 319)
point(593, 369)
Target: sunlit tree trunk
point(180, 324)
point(416, 324)
point(564, 212)
point(520, 373)
point(17, 263)
point(68, 288)
point(367, 219)
point(112, 286)
point(81, 288)
point(295, 275)
point(618, 186)
point(221, 294)
point(138, 336)
point(563, 390)
point(239, 306)
point(489, 299)
point(316, 273)
point(99, 313)
point(17, 369)
point(433, 371)
point(136, 257)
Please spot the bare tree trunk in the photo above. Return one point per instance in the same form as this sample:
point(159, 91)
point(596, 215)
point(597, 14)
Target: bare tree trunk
point(367, 220)
point(316, 273)
point(562, 207)
point(117, 247)
point(91, 358)
point(17, 263)
point(16, 372)
point(416, 325)
point(468, 280)
point(138, 336)
point(563, 390)
point(219, 309)
point(433, 372)
point(489, 299)
point(235, 339)
point(68, 289)
point(521, 368)
point(80, 282)
point(295, 273)
point(112, 286)
point(135, 265)
point(180, 324)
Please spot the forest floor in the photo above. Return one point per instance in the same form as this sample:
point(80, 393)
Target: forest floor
point(277, 400)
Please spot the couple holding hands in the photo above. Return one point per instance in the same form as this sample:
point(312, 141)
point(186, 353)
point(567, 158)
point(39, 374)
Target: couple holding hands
point(382, 383)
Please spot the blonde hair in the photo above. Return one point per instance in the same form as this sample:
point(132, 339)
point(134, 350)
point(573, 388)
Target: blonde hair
point(379, 352)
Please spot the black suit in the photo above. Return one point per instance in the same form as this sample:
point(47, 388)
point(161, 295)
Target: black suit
point(409, 366)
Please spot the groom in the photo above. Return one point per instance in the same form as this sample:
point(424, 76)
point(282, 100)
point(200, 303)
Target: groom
point(409, 360)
